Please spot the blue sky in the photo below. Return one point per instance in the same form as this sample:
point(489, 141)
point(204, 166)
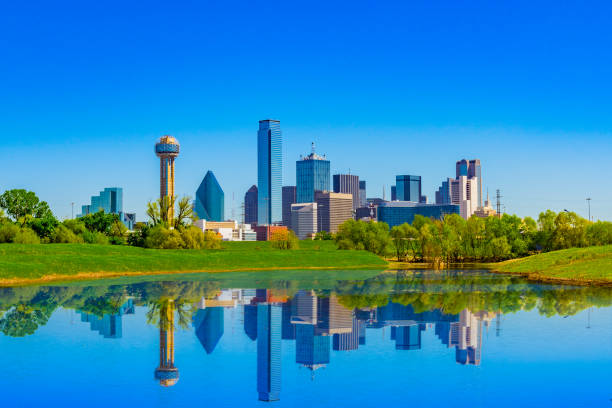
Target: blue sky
point(383, 88)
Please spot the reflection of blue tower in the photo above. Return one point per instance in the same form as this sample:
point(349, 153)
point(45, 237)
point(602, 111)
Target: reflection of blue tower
point(269, 319)
point(362, 333)
point(250, 321)
point(408, 337)
point(209, 327)
point(288, 331)
point(311, 351)
point(109, 325)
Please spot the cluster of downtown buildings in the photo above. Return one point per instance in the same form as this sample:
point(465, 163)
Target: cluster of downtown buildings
point(317, 324)
point(318, 202)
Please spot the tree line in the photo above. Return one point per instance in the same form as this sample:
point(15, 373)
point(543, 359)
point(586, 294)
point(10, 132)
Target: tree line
point(455, 240)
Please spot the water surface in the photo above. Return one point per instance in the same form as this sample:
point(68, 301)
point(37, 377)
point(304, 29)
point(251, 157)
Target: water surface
point(299, 339)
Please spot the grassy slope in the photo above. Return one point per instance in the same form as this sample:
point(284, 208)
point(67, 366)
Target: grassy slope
point(37, 261)
point(593, 264)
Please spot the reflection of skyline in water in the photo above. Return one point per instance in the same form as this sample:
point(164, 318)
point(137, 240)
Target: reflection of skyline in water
point(437, 321)
point(319, 324)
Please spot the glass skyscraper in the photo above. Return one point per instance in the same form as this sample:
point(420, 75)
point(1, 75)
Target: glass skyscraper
point(210, 199)
point(408, 188)
point(250, 205)
point(312, 173)
point(397, 212)
point(269, 172)
point(111, 202)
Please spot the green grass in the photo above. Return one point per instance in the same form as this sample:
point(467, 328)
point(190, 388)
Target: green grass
point(31, 262)
point(593, 264)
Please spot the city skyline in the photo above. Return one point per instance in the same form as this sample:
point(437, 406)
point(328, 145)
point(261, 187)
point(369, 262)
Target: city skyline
point(525, 103)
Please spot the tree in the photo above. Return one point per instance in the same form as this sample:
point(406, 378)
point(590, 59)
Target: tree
point(284, 239)
point(22, 205)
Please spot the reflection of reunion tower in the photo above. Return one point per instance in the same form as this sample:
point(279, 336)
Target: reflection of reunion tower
point(167, 149)
point(167, 374)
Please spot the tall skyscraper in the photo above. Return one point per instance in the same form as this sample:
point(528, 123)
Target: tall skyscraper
point(167, 149)
point(332, 317)
point(363, 200)
point(250, 205)
point(471, 169)
point(332, 210)
point(269, 172)
point(312, 174)
point(210, 199)
point(348, 184)
point(269, 322)
point(408, 188)
point(311, 347)
point(393, 193)
point(348, 341)
point(289, 197)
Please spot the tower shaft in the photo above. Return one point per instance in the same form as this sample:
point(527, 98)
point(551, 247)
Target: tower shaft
point(166, 188)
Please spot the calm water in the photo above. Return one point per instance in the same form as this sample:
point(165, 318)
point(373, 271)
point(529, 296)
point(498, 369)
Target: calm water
point(325, 339)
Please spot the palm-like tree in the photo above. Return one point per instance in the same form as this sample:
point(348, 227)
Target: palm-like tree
point(159, 210)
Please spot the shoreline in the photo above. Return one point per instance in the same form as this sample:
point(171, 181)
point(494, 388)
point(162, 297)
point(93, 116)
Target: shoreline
point(101, 275)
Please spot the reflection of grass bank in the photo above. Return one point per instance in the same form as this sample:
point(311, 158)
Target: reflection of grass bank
point(591, 265)
point(40, 263)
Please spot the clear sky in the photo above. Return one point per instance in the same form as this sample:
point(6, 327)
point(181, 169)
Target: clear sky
point(383, 88)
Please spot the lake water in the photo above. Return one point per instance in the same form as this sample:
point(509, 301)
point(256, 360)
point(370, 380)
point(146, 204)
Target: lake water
point(305, 339)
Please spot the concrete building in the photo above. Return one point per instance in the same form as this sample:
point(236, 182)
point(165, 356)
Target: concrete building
point(167, 149)
point(264, 232)
point(269, 172)
point(332, 317)
point(305, 308)
point(472, 169)
point(333, 209)
point(289, 198)
point(366, 213)
point(210, 199)
point(400, 212)
point(348, 184)
point(348, 341)
point(485, 211)
point(250, 205)
point(228, 230)
point(312, 173)
point(464, 192)
point(304, 220)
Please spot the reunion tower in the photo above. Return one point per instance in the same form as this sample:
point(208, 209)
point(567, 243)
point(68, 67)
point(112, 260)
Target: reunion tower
point(167, 149)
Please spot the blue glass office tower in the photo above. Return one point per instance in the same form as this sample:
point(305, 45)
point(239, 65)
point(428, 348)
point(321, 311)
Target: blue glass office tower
point(269, 322)
point(400, 212)
point(312, 173)
point(408, 188)
point(269, 173)
point(111, 202)
point(210, 199)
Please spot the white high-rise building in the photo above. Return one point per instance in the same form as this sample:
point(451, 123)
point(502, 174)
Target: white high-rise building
point(304, 219)
point(464, 192)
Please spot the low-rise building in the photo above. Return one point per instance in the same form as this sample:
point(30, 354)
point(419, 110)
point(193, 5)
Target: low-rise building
point(228, 230)
point(400, 212)
point(304, 220)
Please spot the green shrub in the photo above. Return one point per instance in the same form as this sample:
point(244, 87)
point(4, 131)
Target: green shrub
point(95, 238)
point(8, 232)
point(26, 236)
point(63, 235)
point(193, 238)
point(164, 238)
point(212, 240)
point(76, 226)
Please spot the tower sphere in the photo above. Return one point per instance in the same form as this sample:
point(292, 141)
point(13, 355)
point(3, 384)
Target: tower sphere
point(167, 377)
point(167, 146)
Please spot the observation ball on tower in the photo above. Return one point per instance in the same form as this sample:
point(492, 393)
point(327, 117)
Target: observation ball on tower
point(167, 146)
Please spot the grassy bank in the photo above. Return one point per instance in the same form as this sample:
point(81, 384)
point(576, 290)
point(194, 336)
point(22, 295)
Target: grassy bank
point(40, 263)
point(592, 265)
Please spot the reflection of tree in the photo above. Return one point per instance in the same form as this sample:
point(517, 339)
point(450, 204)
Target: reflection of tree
point(23, 320)
point(161, 311)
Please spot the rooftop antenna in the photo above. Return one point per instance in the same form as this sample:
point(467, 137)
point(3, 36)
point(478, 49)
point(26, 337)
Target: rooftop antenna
point(499, 197)
point(233, 207)
point(313, 147)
